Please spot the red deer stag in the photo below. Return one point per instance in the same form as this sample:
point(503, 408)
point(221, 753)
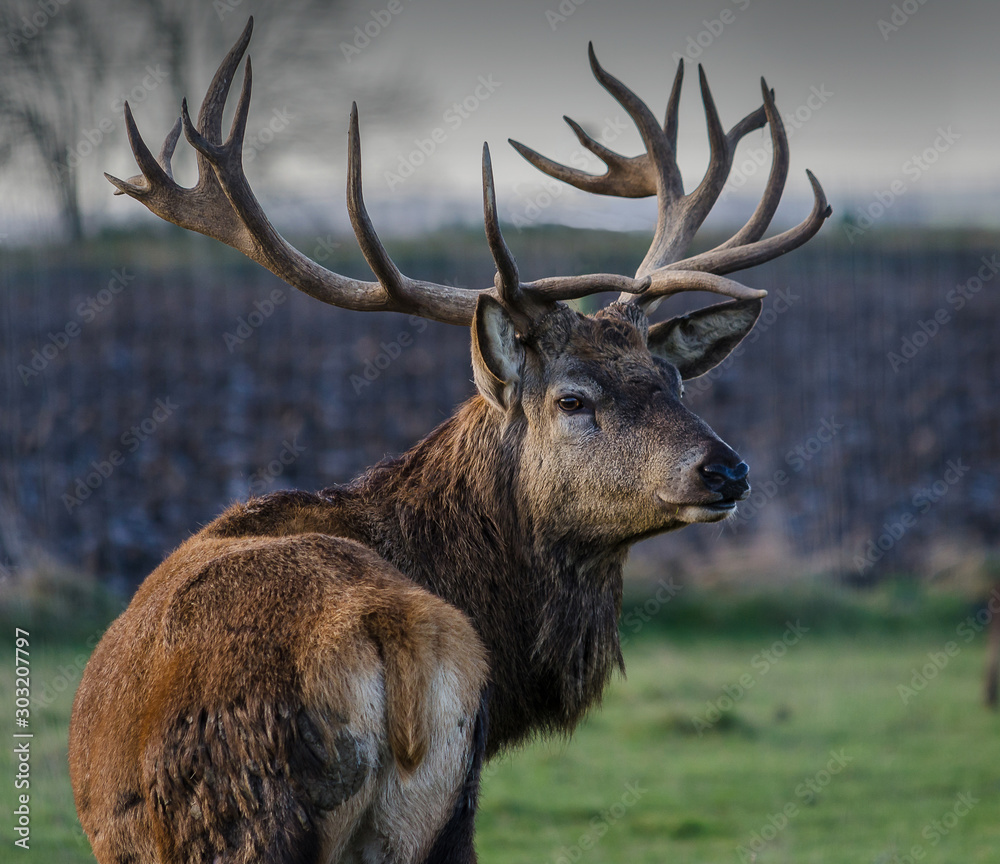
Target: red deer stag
point(319, 677)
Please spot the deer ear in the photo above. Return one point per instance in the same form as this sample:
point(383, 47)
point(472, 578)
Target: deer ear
point(696, 342)
point(497, 354)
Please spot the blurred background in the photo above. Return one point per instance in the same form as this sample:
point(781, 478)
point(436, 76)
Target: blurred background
point(868, 379)
point(149, 377)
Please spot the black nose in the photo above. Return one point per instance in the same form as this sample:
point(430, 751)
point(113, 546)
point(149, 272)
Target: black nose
point(726, 475)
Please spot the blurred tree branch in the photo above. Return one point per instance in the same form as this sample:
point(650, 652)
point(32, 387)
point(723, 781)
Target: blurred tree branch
point(52, 62)
point(67, 67)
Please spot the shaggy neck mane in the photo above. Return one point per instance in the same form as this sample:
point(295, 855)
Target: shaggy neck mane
point(452, 514)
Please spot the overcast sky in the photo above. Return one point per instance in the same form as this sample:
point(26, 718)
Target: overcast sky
point(888, 90)
point(870, 85)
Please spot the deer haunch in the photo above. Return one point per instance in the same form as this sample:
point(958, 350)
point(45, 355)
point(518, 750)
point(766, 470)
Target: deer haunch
point(308, 705)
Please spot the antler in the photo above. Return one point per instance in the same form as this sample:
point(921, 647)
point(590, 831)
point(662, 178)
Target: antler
point(655, 172)
point(222, 205)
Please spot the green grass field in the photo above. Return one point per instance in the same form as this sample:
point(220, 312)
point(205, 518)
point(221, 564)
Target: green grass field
point(819, 760)
point(820, 756)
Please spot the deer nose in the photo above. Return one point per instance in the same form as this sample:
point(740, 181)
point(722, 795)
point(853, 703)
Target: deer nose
point(726, 474)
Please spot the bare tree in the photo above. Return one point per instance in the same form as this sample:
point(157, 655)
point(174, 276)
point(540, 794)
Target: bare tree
point(52, 63)
point(68, 68)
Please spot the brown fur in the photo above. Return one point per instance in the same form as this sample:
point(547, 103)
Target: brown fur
point(306, 679)
point(300, 680)
point(232, 726)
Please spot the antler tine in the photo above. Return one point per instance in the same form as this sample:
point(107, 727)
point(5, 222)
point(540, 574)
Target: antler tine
point(214, 103)
point(721, 150)
point(596, 147)
point(757, 224)
point(625, 177)
point(210, 147)
point(673, 103)
point(728, 260)
point(531, 298)
point(378, 259)
point(527, 301)
point(666, 282)
point(661, 161)
point(754, 120)
point(153, 175)
point(169, 145)
point(508, 282)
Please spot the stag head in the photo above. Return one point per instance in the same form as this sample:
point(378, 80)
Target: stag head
point(608, 449)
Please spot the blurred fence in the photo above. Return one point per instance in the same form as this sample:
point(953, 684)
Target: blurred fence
point(142, 391)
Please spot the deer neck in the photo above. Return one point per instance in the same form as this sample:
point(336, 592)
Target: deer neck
point(452, 514)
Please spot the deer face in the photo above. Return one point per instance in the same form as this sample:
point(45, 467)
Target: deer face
point(610, 451)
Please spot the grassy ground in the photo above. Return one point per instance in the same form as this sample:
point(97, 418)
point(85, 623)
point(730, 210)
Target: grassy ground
point(818, 760)
point(820, 757)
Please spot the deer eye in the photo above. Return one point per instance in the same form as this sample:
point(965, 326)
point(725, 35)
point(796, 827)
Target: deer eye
point(570, 404)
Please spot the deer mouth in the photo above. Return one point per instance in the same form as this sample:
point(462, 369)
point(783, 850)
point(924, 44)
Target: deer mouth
point(702, 511)
point(727, 505)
